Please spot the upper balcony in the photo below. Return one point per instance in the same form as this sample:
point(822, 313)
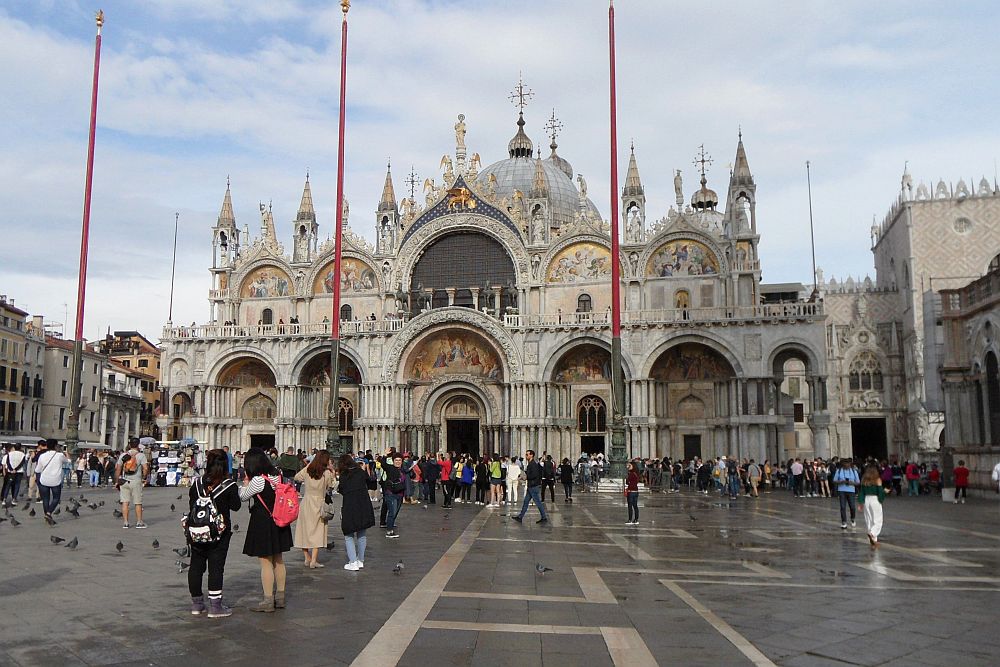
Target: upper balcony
point(723, 315)
point(977, 295)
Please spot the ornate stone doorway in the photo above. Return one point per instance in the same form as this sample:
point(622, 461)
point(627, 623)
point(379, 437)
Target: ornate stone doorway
point(461, 417)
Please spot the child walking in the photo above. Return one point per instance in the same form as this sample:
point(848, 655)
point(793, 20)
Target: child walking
point(870, 499)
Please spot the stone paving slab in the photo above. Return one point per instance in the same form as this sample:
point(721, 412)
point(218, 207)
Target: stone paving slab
point(774, 577)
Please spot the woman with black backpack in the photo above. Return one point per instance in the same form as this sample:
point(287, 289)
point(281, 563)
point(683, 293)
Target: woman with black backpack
point(265, 539)
point(211, 551)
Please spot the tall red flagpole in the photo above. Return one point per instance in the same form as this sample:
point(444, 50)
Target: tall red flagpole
point(73, 423)
point(618, 453)
point(333, 415)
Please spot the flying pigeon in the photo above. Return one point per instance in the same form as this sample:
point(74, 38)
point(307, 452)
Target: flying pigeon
point(72, 544)
point(119, 546)
point(156, 544)
point(93, 506)
point(55, 539)
point(541, 569)
point(398, 569)
point(32, 512)
point(183, 552)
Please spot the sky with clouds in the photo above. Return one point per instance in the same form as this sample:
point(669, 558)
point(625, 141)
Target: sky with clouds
point(193, 91)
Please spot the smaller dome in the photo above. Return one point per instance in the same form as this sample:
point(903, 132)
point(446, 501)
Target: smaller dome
point(520, 145)
point(705, 198)
point(560, 161)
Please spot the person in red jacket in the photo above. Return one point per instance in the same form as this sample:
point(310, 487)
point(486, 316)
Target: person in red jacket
point(912, 479)
point(961, 481)
point(632, 495)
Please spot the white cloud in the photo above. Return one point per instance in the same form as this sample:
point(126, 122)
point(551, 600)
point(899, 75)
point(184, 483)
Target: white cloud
point(193, 91)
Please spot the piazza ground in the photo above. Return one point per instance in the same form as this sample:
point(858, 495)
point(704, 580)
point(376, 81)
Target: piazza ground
point(701, 581)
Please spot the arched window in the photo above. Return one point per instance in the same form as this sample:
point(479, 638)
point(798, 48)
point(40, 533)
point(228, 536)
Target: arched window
point(345, 313)
point(994, 263)
point(266, 316)
point(260, 408)
point(865, 373)
point(682, 299)
point(592, 415)
point(584, 304)
point(345, 416)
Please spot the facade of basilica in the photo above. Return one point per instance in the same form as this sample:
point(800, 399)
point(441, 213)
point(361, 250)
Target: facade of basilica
point(480, 321)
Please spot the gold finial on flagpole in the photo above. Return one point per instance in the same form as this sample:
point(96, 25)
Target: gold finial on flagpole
point(100, 20)
point(344, 6)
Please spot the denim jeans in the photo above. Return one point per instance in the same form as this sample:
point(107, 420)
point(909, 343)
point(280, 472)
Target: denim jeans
point(355, 545)
point(914, 489)
point(392, 502)
point(95, 477)
point(533, 493)
point(51, 495)
point(632, 499)
point(846, 500)
point(11, 485)
point(734, 486)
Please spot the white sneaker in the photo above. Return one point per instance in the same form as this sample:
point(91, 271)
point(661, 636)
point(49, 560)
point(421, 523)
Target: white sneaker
point(360, 564)
point(853, 525)
point(963, 501)
point(353, 567)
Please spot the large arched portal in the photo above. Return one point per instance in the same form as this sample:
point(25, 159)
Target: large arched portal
point(694, 396)
point(455, 376)
point(582, 378)
point(312, 400)
point(468, 269)
point(246, 389)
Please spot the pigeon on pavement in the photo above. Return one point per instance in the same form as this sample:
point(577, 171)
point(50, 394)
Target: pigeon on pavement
point(32, 512)
point(55, 539)
point(72, 544)
point(156, 544)
point(26, 505)
point(119, 546)
point(74, 511)
point(398, 569)
point(181, 566)
point(183, 552)
point(541, 569)
point(117, 513)
point(172, 508)
point(58, 510)
point(14, 522)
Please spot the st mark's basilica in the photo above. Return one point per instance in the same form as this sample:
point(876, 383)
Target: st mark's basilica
point(479, 321)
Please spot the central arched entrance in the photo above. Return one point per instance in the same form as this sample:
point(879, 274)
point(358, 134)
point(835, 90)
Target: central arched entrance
point(462, 419)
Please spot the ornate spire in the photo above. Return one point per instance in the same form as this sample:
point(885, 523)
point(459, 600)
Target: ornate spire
point(226, 216)
point(388, 201)
point(540, 184)
point(633, 185)
point(705, 198)
point(306, 211)
point(741, 168)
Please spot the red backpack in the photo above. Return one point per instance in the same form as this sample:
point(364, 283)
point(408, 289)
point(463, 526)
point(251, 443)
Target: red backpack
point(286, 504)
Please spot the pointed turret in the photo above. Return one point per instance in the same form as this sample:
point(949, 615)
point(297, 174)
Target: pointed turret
point(540, 183)
point(633, 203)
point(387, 220)
point(306, 211)
point(741, 168)
point(388, 201)
point(633, 184)
point(226, 216)
point(520, 145)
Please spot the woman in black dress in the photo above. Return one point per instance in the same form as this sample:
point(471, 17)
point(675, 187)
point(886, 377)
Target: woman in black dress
point(265, 540)
point(357, 514)
point(226, 497)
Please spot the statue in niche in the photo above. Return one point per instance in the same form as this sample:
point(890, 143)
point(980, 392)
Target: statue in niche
point(583, 185)
point(678, 188)
point(383, 236)
point(538, 225)
point(633, 229)
point(386, 271)
point(536, 261)
point(633, 260)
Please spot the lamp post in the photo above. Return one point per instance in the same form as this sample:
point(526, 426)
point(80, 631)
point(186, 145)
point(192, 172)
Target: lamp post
point(333, 443)
point(73, 422)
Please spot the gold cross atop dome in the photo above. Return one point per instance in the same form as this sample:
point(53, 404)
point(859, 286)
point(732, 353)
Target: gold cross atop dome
point(702, 160)
point(521, 94)
point(553, 126)
point(412, 181)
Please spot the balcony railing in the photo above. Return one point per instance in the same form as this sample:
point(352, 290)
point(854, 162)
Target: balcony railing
point(347, 328)
point(722, 314)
